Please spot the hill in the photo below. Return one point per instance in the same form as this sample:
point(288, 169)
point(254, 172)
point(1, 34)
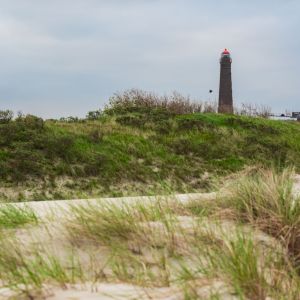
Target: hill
point(137, 145)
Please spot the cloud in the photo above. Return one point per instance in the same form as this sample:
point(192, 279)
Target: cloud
point(65, 57)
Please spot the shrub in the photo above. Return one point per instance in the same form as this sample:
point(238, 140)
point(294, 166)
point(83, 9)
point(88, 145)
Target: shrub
point(134, 121)
point(6, 116)
point(72, 119)
point(25, 163)
point(96, 135)
point(95, 165)
point(141, 101)
point(254, 110)
point(94, 115)
point(31, 122)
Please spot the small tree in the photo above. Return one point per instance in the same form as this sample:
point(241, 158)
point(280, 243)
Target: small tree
point(6, 116)
point(94, 115)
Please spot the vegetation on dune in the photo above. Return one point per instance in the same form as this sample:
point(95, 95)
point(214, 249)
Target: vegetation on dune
point(267, 200)
point(246, 243)
point(247, 251)
point(27, 274)
point(114, 224)
point(205, 247)
point(13, 217)
point(140, 141)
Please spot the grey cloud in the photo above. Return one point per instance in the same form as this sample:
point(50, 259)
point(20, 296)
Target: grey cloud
point(64, 57)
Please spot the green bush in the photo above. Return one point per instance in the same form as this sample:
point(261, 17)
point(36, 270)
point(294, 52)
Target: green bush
point(6, 116)
point(31, 122)
point(145, 141)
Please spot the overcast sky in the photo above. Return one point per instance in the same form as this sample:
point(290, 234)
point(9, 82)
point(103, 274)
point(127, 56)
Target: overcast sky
point(66, 57)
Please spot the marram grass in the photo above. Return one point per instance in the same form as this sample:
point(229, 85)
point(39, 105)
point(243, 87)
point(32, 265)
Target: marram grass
point(12, 216)
point(267, 200)
point(170, 244)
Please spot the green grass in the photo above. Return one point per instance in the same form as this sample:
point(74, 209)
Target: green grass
point(115, 224)
point(12, 216)
point(248, 270)
point(106, 224)
point(133, 234)
point(27, 274)
point(266, 199)
point(186, 253)
point(138, 148)
point(238, 260)
point(189, 246)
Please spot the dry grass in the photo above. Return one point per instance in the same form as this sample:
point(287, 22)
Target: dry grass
point(163, 245)
point(254, 110)
point(27, 270)
point(249, 270)
point(266, 200)
point(174, 103)
point(135, 227)
point(189, 247)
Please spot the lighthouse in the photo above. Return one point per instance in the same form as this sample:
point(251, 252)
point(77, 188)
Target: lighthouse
point(225, 91)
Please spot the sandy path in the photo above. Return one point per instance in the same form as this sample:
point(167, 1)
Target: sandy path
point(53, 212)
point(60, 207)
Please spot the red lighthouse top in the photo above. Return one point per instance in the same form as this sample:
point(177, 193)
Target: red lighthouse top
point(225, 57)
point(226, 52)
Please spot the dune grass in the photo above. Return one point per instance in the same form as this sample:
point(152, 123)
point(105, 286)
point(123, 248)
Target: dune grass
point(238, 259)
point(106, 223)
point(128, 265)
point(266, 199)
point(12, 216)
point(28, 271)
point(140, 144)
point(247, 268)
point(243, 244)
point(103, 223)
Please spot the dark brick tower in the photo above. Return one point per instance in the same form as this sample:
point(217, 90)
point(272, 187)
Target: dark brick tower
point(225, 92)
